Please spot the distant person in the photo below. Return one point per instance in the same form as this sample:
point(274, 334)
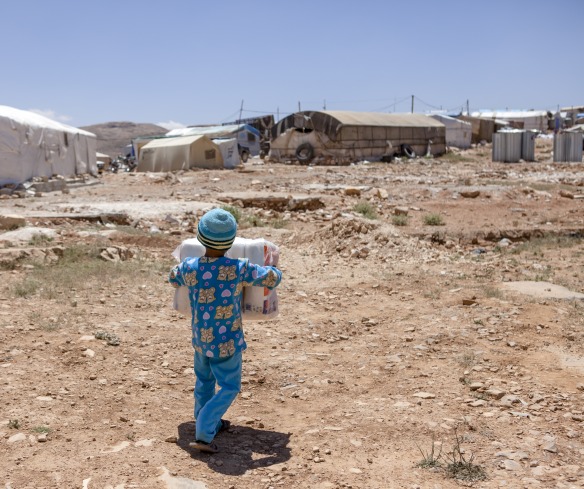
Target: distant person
point(557, 122)
point(215, 285)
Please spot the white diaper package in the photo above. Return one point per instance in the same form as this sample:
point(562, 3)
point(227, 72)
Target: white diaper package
point(258, 302)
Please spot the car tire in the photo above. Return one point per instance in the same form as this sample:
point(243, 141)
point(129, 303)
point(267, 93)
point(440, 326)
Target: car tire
point(304, 153)
point(407, 150)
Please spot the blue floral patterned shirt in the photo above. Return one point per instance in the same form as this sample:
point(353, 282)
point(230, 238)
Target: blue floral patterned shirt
point(215, 288)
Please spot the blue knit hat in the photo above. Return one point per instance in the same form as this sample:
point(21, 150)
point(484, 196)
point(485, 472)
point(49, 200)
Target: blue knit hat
point(217, 229)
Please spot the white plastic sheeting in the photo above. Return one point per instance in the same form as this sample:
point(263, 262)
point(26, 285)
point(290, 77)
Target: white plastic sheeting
point(458, 133)
point(531, 119)
point(32, 145)
point(228, 148)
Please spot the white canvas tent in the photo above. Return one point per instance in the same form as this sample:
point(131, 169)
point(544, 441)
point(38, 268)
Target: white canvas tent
point(180, 153)
point(458, 133)
point(34, 146)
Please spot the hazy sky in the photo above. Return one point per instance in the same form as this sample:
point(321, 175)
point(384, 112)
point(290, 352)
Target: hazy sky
point(181, 62)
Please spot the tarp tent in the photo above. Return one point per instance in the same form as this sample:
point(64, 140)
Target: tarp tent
point(248, 137)
point(523, 119)
point(180, 153)
point(343, 137)
point(458, 133)
point(228, 148)
point(32, 145)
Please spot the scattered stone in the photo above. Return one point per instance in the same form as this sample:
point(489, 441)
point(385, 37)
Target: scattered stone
point(478, 403)
point(496, 393)
point(470, 194)
point(424, 395)
point(16, 438)
point(550, 446)
point(353, 191)
point(355, 470)
point(42, 438)
point(111, 338)
point(179, 482)
point(89, 353)
point(401, 211)
point(511, 465)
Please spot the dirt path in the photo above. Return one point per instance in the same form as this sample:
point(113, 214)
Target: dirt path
point(389, 336)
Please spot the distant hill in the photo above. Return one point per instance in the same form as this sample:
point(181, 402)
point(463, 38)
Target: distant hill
point(113, 137)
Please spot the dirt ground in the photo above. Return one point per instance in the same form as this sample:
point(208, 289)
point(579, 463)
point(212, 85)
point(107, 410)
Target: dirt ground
point(396, 331)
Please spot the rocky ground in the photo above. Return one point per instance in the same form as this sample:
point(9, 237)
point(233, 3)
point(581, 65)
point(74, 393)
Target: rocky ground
point(430, 332)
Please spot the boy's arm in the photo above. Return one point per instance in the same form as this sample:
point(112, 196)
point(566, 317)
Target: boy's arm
point(175, 278)
point(256, 275)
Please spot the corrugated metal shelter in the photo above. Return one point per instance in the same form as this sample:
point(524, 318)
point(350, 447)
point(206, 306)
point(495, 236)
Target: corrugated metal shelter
point(180, 153)
point(458, 132)
point(34, 146)
point(342, 137)
point(512, 145)
point(507, 146)
point(568, 147)
point(526, 119)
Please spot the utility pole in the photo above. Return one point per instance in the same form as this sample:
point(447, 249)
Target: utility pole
point(277, 113)
point(299, 109)
point(240, 110)
point(324, 105)
point(467, 108)
point(412, 104)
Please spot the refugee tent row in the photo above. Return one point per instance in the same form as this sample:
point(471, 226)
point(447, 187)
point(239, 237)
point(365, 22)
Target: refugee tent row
point(248, 137)
point(32, 145)
point(192, 147)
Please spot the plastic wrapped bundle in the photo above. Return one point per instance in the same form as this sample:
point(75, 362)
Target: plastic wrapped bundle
point(258, 302)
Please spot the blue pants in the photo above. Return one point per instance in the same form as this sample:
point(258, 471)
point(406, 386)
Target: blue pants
point(211, 406)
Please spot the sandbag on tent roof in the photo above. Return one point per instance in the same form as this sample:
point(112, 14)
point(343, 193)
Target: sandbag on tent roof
point(181, 153)
point(32, 145)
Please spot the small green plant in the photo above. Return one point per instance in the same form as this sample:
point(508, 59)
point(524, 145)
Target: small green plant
point(234, 211)
point(366, 210)
point(467, 360)
point(433, 220)
point(254, 221)
point(41, 429)
point(279, 223)
point(40, 240)
point(14, 424)
point(26, 288)
point(493, 292)
point(399, 220)
point(429, 458)
point(460, 466)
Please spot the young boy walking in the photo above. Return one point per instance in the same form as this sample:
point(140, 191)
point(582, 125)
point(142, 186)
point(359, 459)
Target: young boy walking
point(215, 285)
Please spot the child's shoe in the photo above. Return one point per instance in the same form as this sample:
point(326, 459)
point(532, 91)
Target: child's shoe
point(203, 446)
